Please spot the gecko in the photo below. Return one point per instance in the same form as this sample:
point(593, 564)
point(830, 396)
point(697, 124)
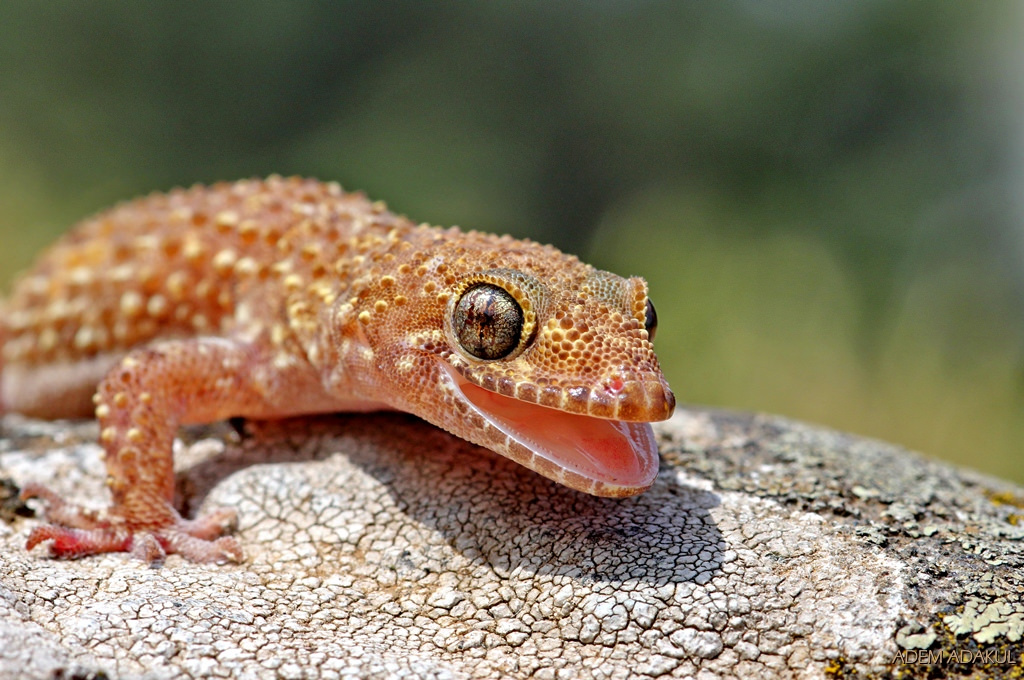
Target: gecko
point(278, 297)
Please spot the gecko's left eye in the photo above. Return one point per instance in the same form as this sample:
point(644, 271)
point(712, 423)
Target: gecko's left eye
point(488, 321)
point(650, 321)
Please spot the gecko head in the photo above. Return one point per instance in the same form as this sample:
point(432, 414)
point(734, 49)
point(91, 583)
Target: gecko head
point(543, 359)
point(582, 346)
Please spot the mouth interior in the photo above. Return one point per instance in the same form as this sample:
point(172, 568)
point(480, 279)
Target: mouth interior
point(621, 455)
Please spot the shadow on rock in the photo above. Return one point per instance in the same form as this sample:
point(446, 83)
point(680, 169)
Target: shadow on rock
point(494, 511)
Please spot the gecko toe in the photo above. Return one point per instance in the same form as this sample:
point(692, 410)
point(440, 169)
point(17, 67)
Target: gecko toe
point(69, 542)
point(216, 523)
point(219, 551)
point(147, 547)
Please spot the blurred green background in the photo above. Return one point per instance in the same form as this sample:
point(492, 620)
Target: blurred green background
point(824, 196)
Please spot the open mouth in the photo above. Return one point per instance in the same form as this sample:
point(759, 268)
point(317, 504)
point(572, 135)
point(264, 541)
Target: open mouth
point(601, 457)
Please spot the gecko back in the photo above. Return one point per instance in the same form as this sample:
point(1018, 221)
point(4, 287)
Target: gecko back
point(165, 266)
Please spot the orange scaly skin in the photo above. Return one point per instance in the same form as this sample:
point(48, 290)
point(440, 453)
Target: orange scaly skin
point(267, 299)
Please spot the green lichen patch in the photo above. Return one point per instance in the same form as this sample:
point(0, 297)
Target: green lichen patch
point(1005, 498)
point(1008, 499)
point(940, 652)
point(988, 621)
point(980, 639)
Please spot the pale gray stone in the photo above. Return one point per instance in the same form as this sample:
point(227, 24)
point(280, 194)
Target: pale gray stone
point(377, 546)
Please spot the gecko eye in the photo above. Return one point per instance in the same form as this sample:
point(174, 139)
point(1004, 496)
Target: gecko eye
point(488, 321)
point(650, 321)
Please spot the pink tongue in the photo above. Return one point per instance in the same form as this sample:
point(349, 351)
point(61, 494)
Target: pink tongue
point(618, 454)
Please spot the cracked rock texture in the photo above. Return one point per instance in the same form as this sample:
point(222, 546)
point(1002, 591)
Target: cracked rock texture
point(378, 546)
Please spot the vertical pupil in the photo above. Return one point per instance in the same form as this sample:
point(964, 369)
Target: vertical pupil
point(650, 320)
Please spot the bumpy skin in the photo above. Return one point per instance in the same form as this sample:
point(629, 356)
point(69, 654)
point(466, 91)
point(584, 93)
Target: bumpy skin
point(273, 298)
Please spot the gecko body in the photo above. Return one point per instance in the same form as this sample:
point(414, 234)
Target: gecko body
point(279, 297)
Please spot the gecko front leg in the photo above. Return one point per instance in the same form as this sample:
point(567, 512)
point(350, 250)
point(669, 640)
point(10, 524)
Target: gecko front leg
point(140, 404)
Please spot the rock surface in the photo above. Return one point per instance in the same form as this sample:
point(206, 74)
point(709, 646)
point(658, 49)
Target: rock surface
point(378, 546)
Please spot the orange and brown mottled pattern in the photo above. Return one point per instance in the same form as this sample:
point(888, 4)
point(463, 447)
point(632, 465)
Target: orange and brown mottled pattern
point(287, 296)
point(169, 265)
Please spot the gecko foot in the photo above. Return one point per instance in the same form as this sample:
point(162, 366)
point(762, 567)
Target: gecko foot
point(77, 532)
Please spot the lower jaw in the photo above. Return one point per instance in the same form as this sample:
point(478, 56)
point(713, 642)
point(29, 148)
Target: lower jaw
point(593, 455)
